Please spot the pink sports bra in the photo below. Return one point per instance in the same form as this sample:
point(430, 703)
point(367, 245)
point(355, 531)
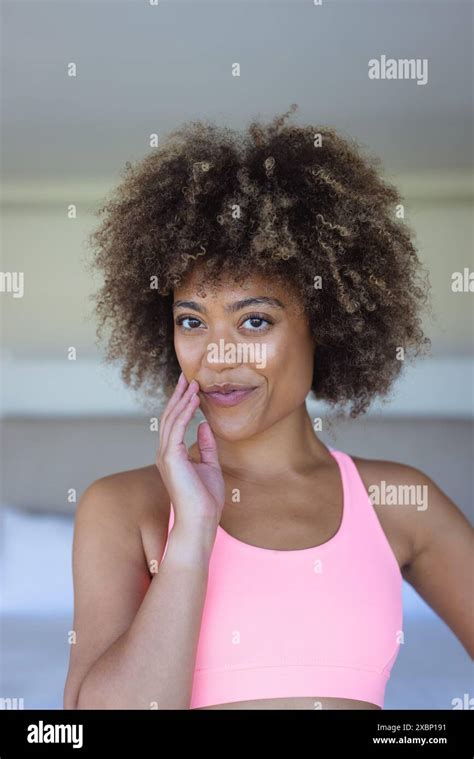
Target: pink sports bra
point(321, 622)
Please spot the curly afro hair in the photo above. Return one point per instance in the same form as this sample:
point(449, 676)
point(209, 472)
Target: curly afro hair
point(295, 202)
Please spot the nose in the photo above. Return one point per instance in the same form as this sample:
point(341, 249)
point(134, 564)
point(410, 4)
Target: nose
point(222, 349)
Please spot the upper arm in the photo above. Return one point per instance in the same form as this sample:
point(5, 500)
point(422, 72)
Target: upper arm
point(110, 576)
point(441, 570)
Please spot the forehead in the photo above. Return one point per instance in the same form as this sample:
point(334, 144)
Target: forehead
point(226, 288)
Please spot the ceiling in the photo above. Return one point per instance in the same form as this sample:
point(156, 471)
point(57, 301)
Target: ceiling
point(145, 69)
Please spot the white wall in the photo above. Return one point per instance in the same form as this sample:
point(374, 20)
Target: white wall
point(56, 311)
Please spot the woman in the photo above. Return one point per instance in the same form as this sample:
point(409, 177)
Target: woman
point(256, 570)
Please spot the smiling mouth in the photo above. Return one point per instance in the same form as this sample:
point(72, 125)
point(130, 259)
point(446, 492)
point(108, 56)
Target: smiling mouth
point(230, 397)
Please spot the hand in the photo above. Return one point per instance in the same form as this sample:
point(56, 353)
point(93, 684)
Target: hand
point(196, 490)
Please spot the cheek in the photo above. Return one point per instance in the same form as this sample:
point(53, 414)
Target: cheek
point(292, 350)
point(291, 362)
point(188, 351)
point(275, 353)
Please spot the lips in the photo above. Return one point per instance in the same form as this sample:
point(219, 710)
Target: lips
point(228, 395)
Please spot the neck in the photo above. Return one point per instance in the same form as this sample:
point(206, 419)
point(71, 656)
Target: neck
point(289, 447)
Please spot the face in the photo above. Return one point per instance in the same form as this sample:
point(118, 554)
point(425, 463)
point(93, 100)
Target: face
point(249, 347)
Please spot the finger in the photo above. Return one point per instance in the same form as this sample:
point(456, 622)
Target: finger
point(207, 445)
point(193, 387)
point(176, 437)
point(178, 392)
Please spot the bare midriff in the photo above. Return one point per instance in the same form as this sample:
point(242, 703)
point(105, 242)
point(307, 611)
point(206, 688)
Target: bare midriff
point(296, 703)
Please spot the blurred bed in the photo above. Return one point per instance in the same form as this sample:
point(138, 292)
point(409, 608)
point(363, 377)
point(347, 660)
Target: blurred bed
point(36, 614)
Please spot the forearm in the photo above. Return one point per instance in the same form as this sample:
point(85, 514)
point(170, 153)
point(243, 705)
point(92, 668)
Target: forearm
point(152, 664)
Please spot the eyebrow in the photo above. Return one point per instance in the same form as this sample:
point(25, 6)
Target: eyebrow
point(231, 307)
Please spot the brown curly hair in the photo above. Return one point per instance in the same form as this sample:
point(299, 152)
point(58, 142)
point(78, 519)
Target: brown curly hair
point(293, 202)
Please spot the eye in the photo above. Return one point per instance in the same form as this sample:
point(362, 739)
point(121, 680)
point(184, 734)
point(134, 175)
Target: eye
point(190, 319)
point(258, 327)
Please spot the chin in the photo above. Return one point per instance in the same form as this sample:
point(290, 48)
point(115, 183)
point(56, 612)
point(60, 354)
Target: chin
point(232, 431)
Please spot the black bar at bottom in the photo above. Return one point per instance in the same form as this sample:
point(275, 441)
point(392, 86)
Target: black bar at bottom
point(417, 733)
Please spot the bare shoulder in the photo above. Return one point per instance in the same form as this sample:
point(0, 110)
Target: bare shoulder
point(397, 523)
point(378, 472)
point(409, 502)
point(119, 528)
point(440, 537)
point(133, 492)
point(135, 501)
